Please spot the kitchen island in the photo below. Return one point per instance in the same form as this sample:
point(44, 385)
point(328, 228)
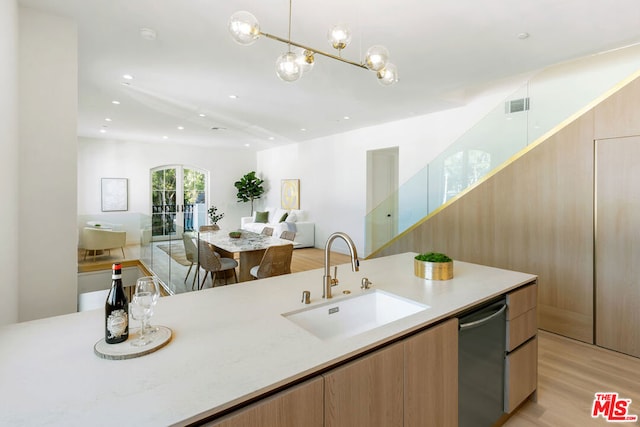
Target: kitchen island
point(230, 345)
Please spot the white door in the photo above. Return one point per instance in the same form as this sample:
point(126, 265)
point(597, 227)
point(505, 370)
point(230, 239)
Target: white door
point(382, 197)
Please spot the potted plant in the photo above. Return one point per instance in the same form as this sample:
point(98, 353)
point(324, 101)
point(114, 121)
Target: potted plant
point(249, 188)
point(433, 266)
point(213, 215)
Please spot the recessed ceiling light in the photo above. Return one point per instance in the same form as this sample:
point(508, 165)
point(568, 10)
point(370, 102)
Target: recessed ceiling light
point(125, 83)
point(165, 137)
point(148, 33)
point(303, 129)
point(247, 145)
point(115, 102)
point(346, 117)
point(271, 138)
point(127, 77)
point(180, 127)
point(107, 119)
point(523, 36)
point(103, 130)
point(233, 96)
point(202, 115)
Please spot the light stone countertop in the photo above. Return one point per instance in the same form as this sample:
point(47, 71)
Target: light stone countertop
point(229, 344)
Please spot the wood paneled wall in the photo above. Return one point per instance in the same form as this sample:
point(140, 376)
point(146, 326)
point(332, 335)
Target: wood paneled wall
point(536, 216)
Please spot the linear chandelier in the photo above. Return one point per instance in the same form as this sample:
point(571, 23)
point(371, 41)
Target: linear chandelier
point(245, 30)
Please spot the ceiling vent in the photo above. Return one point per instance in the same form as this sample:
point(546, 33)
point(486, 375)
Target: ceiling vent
point(516, 105)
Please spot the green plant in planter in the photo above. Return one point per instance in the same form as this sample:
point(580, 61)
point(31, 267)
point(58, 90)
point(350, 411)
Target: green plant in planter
point(213, 215)
point(249, 188)
point(433, 257)
point(433, 266)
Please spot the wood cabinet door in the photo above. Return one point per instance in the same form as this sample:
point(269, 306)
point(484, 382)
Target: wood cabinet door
point(617, 246)
point(521, 374)
point(366, 392)
point(300, 405)
point(431, 377)
point(521, 316)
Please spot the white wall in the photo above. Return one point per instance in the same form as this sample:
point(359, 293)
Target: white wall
point(332, 170)
point(9, 161)
point(133, 160)
point(47, 87)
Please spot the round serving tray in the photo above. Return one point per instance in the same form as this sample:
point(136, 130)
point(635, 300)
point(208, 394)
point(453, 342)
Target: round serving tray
point(125, 350)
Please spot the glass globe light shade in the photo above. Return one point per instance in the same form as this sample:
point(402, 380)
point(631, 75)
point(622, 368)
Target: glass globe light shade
point(339, 36)
point(305, 60)
point(287, 68)
point(376, 58)
point(388, 75)
point(244, 28)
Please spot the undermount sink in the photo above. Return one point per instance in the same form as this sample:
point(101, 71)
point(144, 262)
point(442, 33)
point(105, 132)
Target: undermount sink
point(353, 315)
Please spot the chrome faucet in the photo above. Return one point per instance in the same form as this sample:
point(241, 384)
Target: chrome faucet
point(327, 281)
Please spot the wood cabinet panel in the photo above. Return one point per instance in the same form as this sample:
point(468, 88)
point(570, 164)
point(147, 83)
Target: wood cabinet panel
point(300, 405)
point(366, 392)
point(536, 216)
point(618, 244)
point(431, 377)
point(521, 329)
point(522, 300)
point(521, 374)
point(619, 115)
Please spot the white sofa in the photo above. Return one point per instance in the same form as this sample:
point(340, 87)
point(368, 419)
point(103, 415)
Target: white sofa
point(296, 221)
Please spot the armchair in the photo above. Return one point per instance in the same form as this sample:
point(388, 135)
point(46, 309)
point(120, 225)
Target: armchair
point(95, 239)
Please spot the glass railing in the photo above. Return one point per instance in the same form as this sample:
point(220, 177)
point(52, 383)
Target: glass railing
point(166, 255)
point(547, 100)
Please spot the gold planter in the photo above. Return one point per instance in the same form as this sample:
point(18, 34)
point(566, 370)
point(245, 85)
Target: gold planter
point(433, 270)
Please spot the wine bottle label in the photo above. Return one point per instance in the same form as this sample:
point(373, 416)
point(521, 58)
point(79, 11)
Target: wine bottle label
point(117, 323)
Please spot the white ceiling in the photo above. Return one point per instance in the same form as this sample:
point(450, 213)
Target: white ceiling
point(444, 51)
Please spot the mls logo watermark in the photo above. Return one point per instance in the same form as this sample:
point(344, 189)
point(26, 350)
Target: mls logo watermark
point(612, 408)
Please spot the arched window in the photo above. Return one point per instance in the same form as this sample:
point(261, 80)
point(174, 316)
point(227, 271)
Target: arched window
point(178, 200)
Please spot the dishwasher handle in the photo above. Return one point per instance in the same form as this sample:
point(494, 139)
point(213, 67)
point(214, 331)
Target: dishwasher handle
point(479, 322)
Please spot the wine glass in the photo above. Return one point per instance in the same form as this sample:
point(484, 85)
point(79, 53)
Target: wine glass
point(149, 284)
point(141, 307)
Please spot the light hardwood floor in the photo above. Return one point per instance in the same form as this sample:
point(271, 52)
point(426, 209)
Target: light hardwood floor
point(303, 259)
point(569, 372)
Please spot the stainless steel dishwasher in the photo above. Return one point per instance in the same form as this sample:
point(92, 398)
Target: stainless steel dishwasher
point(481, 347)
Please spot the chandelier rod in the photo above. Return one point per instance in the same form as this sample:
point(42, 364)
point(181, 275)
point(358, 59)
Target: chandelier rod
point(319, 52)
point(290, 3)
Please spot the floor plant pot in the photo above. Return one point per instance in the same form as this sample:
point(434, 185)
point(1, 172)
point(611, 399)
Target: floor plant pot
point(433, 270)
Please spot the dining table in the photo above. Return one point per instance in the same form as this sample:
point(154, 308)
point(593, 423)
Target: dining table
point(250, 248)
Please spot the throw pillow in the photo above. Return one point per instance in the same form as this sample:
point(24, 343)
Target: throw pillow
point(262, 217)
point(291, 217)
point(284, 217)
point(300, 214)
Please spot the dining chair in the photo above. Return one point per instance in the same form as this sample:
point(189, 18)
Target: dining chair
point(191, 253)
point(267, 231)
point(288, 235)
point(275, 262)
point(212, 263)
point(205, 228)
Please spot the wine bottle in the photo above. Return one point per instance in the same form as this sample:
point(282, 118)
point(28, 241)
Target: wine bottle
point(116, 310)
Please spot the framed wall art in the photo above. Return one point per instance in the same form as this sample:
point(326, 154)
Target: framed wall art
point(115, 195)
point(290, 194)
